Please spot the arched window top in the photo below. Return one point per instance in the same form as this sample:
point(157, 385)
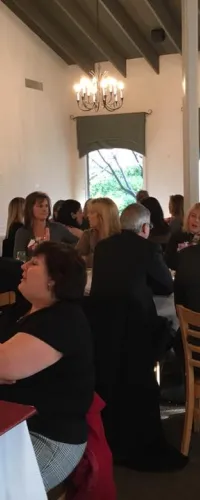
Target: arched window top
point(123, 130)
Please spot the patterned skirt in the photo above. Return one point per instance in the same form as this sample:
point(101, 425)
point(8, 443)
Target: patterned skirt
point(56, 460)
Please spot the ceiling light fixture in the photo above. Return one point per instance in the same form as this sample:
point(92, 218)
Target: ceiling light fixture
point(100, 90)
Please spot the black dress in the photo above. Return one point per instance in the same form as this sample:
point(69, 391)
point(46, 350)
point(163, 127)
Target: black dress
point(177, 242)
point(125, 380)
point(8, 243)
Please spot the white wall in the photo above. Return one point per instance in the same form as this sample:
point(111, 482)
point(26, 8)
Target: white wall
point(145, 90)
point(37, 138)
point(34, 126)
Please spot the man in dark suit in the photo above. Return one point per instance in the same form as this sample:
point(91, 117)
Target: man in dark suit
point(128, 338)
point(187, 280)
point(128, 265)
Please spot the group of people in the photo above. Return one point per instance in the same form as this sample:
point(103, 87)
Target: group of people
point(29, 222)
point(46, 337)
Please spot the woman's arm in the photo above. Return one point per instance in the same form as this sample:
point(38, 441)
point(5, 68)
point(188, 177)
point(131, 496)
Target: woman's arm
point(83, 245)
point(24, 355)
point(65, 234)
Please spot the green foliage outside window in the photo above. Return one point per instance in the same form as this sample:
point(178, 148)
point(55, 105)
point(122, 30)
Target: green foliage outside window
point(116, 173)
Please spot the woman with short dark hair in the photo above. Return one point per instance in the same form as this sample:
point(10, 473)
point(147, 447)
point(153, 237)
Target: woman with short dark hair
point(37, 226)
point(160, 231)
point(56, 209)
point(71, 215)
point(47, 360)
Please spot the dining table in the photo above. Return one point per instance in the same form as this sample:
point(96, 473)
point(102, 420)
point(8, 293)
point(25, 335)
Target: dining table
point(20, 477)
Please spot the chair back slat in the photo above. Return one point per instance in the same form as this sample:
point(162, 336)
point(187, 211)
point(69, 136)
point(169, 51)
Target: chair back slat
point(193, 333)
point(189, 323)
point(195, 363)
point(190, 317)
point(194, 348)
point(7, 298)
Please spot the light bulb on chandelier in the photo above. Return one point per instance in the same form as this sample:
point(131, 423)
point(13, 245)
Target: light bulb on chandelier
point(99, 91)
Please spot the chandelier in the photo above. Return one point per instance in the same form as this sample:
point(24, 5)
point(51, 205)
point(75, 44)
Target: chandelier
point(99, 91)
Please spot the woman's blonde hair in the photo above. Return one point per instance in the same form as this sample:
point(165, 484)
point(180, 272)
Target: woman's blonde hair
point(108, 214)
point(15, 212)
point(86, 207)
point(196, 206)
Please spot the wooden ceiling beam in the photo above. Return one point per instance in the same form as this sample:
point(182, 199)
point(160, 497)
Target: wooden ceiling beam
point(26, 10)
point(130, 29)
point(77, 16)
point(165, 19)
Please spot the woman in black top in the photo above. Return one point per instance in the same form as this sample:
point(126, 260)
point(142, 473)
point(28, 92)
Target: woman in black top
point(56, 209)
point(14, 222)
point(190, 235)
point(71, 215)
point(160, 232)
point(48, 357)
point(176, 209)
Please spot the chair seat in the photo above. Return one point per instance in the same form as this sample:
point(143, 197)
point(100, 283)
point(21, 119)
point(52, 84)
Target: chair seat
point(59, 492)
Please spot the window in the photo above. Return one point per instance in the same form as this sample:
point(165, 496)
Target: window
point(116, 173)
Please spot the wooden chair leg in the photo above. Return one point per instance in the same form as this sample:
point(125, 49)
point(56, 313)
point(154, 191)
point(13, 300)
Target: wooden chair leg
point(197, 410)
point(189, 414)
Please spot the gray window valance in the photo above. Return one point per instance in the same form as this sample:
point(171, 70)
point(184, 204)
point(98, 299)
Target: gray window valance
point(126, 130)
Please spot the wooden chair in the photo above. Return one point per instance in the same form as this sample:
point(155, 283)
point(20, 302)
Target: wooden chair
point(189, 323)
point(7, 298)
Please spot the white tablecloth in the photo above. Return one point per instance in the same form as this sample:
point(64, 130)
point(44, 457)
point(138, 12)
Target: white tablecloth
point(20, 477)
point(88, 284)
point(165, 307)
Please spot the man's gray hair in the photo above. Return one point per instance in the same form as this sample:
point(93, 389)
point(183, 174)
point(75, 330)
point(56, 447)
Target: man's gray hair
point(134, 217)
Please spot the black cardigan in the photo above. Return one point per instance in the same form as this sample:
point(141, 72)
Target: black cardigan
point(174, 247)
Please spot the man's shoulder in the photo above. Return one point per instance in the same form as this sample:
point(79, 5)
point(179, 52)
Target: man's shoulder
point(153, 247)
point(124, 239)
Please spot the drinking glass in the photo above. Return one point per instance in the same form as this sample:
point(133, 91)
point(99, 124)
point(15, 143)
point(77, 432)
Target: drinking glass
point(21, 255)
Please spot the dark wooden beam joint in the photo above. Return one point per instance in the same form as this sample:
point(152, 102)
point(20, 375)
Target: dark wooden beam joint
point(78, 17)
point(132, 32)
point(165, 19)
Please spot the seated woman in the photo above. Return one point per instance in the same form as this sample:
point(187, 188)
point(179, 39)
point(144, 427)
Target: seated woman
point(14, 222)
point(104, 221)
point(189, 235)
point(70, 214)
point(160, 231)
point(176, 209)
point(37, 226)
point(47, 360)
